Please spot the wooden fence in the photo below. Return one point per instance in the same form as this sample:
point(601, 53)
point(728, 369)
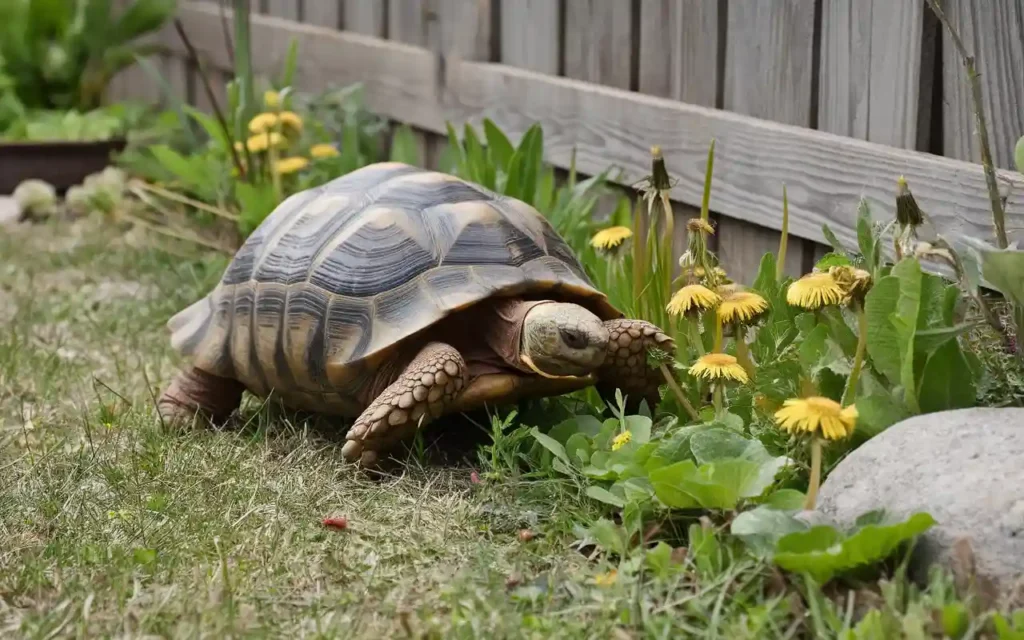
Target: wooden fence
point(833, 98)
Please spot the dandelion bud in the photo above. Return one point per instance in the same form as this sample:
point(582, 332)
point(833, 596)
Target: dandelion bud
point(908, 213)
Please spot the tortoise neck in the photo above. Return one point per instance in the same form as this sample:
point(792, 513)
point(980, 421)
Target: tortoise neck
point(503, 331)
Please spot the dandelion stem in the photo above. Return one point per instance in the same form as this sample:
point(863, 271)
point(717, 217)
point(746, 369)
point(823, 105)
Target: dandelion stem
point(743, 352)
point(694, 335)
point(678, 391)
point(858, 357)
point(812, 489)
point(717, 399)
point(717, 348)
point(780, 265)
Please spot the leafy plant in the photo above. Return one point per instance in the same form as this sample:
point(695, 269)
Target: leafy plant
point(62, 54)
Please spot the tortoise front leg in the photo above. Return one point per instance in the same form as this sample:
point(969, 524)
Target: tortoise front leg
point(426, 390)
point(626, 368)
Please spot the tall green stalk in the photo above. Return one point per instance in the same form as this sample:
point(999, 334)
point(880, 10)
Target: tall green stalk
point(243, 67)
point(780, 265)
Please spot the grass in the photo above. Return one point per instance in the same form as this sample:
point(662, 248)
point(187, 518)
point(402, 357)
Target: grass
point(112, 527)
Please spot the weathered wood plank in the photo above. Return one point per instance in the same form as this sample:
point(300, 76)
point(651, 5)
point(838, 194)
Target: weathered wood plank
point(870, 70)
point(530, 32)
point(993, 32)
point(679, 50)
point(365, 16)
point(826, 174)
point(598, 41)
point(284, 9)
point(323, 13)
point(741, 246)
point(768, 62)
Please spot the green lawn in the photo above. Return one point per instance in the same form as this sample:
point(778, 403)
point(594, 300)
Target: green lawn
point(110, 527)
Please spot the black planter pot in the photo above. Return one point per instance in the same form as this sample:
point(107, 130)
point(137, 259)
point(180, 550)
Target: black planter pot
point(62, 164)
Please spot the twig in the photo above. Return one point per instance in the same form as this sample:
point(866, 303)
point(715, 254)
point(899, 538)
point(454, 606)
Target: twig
point(998, 213)
point(228, 44)
point(209, 94)
point(138, 185)
point(174, 234)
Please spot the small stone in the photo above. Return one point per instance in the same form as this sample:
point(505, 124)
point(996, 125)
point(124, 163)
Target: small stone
point(398, 417)
point(964, 468)
point(419, 393)
point(10, 211)
point(451, 368)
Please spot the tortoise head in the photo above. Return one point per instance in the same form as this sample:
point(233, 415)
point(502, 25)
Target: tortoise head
point(563, 339)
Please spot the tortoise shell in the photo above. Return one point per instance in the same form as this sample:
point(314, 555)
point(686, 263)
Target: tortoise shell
point(336, 277)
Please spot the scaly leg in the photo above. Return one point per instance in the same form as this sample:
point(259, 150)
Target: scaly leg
point(426, 390)
point(195, 391)
point(625, 366)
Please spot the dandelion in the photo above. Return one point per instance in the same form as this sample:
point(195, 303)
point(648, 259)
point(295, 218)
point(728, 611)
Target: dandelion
point(718, 367)
point(815, 290)
point(323, 151)
point(741, 307)
point(692, 299)
point(822, 418)
point(855, 282)
point(290, 120)
point(908, 213)
point(263, 141)
point(291, 165)
point(606, 579)
point(263, 122)
point(611, 237)
point(622, 440)
point(272, 99)
point(697, 225)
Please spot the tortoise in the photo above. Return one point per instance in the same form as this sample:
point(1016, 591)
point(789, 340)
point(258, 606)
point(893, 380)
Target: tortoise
point(394, 295)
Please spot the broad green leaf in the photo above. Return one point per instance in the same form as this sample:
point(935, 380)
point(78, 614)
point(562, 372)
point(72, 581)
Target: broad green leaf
point(404, 147)
point(765, 281)
point(603, 495)
point(1005, 271)
point(498, 146)
point(947, 381)
point(832, 259)
point(717, 485)
point(865, 233)
point(762, 527)
point(639, 427)
point(481, 171)
point(676, 447)
point(659, 560)
point(609, 535)
point(549, 443)
point(833, 241)
point(823, 552)
point(928, 340)
point(667, 485)
point(813, 347)
point(257, 202)
point(877, 412)
point(785, 499)
point(908, 306)
point(578, 448)
point(883, 341)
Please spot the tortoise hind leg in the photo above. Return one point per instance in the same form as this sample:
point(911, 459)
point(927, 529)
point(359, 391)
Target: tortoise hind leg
point(625, 367)
point(425, 390)
point(194, 391)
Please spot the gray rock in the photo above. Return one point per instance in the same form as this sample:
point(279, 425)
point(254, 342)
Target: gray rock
point(965, 468)
point(10, 211)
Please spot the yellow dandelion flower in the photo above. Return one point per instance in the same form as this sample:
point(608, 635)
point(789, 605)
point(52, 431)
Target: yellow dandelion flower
point(815, 290)
point(606, 579)
point(611, 237)
point(855, 282)
point(272, 99)
point(818, 415)
point(291, 120)
point(323, 151)
point(291, 165)
point(697, 224)
point(741, 307)
point(621, 440)
point(263, 122)
point(263, 141)
point(691, 299)
point(718, 367)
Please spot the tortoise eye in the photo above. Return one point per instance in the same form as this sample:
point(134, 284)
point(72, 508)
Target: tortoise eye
point(575, 339)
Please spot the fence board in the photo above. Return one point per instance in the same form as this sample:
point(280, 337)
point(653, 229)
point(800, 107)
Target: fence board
point(598, 41)
point(323, 13)
point(871, 68)
point(827, 175)
point(530, 32)
point(768, 70)
point(993, 32)
point(365, 16)
point(284, 9)
point(679, 50)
